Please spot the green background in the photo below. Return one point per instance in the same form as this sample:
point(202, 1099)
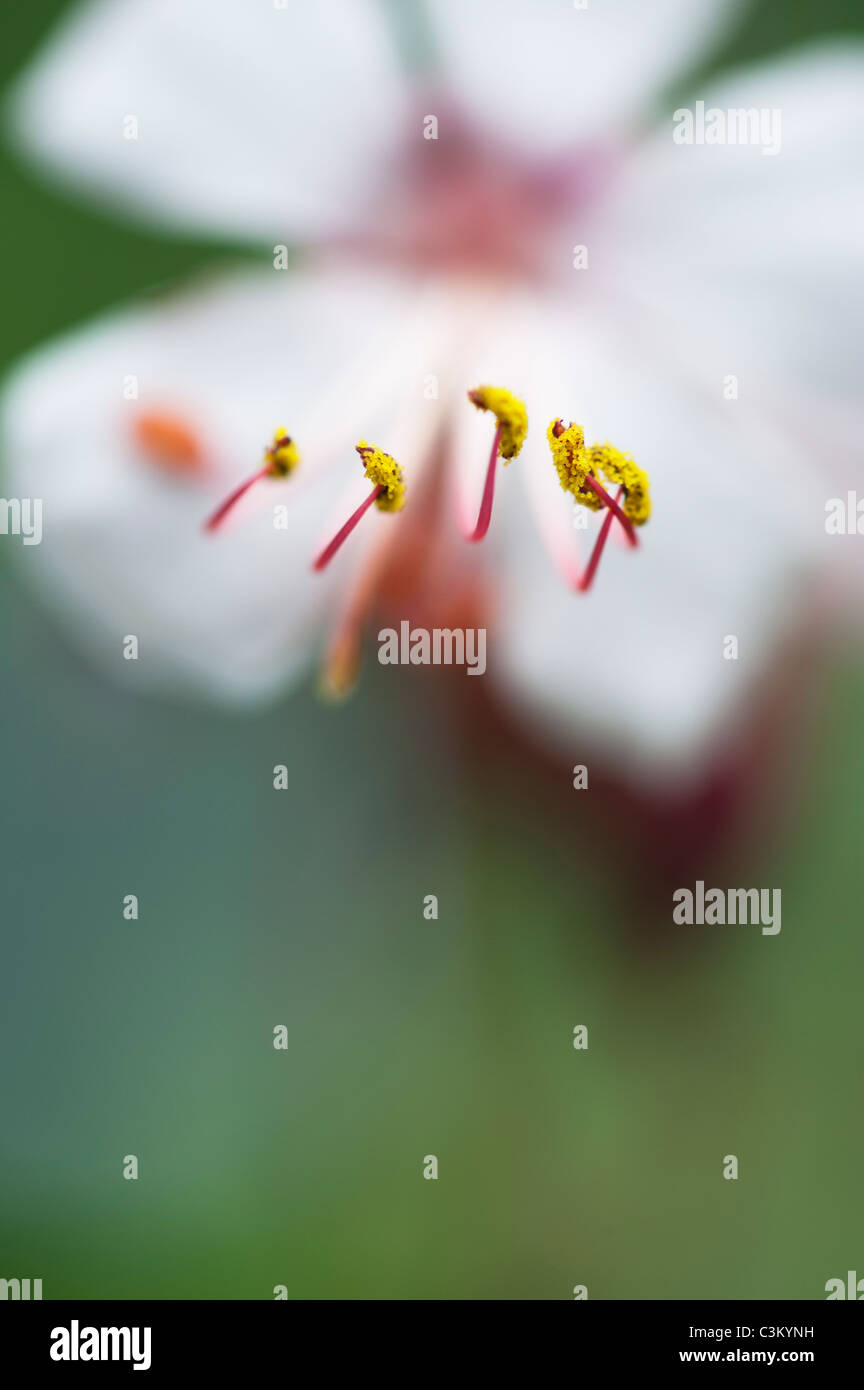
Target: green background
point(406, 1037)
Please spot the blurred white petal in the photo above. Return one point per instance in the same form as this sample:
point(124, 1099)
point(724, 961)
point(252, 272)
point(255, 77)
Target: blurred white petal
point(548, 75)
point(636, 667)
point(235, 615)
point(253, 120)
point(769, 246)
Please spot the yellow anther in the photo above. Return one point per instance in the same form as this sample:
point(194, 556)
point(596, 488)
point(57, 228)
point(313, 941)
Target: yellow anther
point(617, 467)
point(574, 460)
point(282, 456)
point(567, 443)
point(510, 413)
point(383, 471)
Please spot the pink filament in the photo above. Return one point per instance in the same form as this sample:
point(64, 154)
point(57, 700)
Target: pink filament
point(488, 492)
point(345, 531)
point(612, 504)
point(583, 584)
point(222, 511)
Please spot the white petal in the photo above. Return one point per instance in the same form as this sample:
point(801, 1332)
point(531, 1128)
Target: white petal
point(547, 74)
point(252, 119)
point(327, 355)
point(635, 669)
point(755, 260)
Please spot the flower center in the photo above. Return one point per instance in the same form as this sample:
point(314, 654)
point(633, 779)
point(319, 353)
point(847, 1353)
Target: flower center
point(466, 202)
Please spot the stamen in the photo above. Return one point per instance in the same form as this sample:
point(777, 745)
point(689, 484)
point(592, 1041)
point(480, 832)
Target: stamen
point(509, 437)
point(388, 493)
point(280, 458)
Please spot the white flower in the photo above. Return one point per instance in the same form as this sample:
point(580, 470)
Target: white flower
point(450, 259)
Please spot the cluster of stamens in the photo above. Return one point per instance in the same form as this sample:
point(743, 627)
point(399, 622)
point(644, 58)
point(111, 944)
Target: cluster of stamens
point(580, 468)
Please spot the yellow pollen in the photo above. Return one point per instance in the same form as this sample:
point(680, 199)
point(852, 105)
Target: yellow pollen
point(574, 460)
point(617, 467)
point(510, 413)
point(568, 454)
point(282, 456)
point(383, 471)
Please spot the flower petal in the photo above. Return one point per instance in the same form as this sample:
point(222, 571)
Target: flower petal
point(755, 259)
point(636, 667)
point(550, 74)
point(250, 120)
point(234, 615)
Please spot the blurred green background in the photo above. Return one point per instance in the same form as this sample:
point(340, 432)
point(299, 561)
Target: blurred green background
point(406, 1037)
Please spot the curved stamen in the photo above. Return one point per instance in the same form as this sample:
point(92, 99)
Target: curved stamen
point(388, 491)
point(512, 426)
point(280, 459)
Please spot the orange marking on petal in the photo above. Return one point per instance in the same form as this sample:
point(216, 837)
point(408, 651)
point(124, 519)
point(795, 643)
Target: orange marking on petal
point(168, 441)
